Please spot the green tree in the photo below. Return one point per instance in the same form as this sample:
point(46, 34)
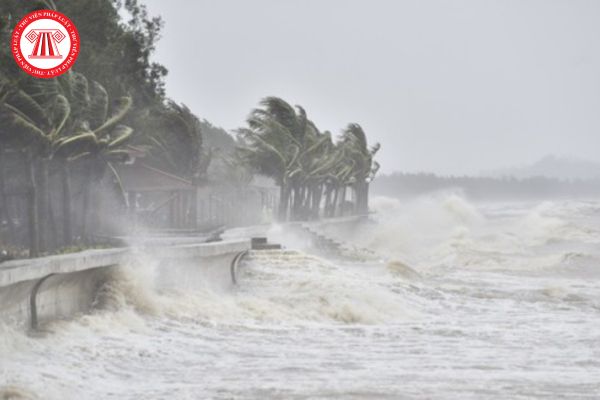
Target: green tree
point(97, 139)
point(116, 52)
point(272, 144)
point(364, 167)
point(282, 143)
point(33, 117)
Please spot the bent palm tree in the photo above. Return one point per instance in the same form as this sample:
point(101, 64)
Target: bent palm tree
point(97, 138)
point(33, 116)
point(277, 137)
point(282, 143)
point(364, 167)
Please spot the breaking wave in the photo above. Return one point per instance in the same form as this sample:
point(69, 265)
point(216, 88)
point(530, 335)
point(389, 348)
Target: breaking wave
point(16, 393)
point(274, 287)
point(459, 291)
point(448, 231)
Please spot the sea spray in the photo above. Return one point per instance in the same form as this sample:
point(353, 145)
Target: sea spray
point(297, 287)
point(16, 393)
point(131, 285)
point(476, 305)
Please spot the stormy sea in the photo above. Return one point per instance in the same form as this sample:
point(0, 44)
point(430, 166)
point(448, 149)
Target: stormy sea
point(435, 298)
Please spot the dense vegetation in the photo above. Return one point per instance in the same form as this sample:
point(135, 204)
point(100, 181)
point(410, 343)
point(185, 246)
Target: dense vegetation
point(82, 120)
point(84, 124)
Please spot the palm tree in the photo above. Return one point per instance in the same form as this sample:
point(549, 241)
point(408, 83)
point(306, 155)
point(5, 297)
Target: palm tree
point(33, 116)
point(62, 120)
point(316, 162)
point(281, 142)
point(175, 138)
point(269, 147)
point(4, 210)
point(364, 167)
point(278, 143)
point(175, 135)
point(97, 139)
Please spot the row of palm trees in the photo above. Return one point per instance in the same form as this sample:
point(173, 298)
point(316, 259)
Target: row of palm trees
point(313, 172)
point(56, 124)
point(69, 122)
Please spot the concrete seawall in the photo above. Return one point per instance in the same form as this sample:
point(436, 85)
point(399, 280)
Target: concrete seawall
point(35, 291)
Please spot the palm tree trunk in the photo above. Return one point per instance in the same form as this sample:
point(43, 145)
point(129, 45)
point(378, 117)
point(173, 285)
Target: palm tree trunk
point(342, 201)
point(334, 204)
point(306, 202)
point(358, 198)
point(355, 192)
point(305, 196)
point(4, 208)
point(33, 208)
point(316, 202)
point(87, 189)
point(43, 204)
point(284, 199)
point(53, 242)
point(300, 203)
point(327, 206)
point(366, 197)
point(295, 201)
point(65, 177)
point(194, 207)
point(361, 198)
point(321, 201)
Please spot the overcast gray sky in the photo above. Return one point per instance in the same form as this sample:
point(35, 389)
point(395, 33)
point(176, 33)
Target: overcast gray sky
point(446, 86)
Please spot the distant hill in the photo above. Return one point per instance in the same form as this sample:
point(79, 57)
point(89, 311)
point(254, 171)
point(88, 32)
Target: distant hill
point(407, 185)
point(563, 168)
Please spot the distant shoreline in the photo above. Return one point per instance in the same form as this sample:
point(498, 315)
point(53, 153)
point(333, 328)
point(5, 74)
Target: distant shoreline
point(409, 185)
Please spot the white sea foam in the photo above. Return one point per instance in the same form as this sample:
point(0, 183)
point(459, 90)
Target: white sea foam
point(472, 301)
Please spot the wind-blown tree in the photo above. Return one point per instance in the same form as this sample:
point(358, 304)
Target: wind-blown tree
point(339, 177)
point(97, 139)
point(282, 143)
point(66, 122)
point(175, 135)
point(55, 122)
point(175, 138)
point(364, 167)
point(270, 158)
point(316, 162)
point(32, 118)
point(272, 144)
point(5, 215)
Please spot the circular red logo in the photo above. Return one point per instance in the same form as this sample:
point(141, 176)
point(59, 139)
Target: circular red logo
point(45, 44)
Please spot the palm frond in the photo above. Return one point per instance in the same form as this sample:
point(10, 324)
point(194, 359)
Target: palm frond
point(98, 105)
point(61, 113)
point(28, 108)
point(19, 130)
point(123, 134)
point(68, 147)
point(123, 107)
